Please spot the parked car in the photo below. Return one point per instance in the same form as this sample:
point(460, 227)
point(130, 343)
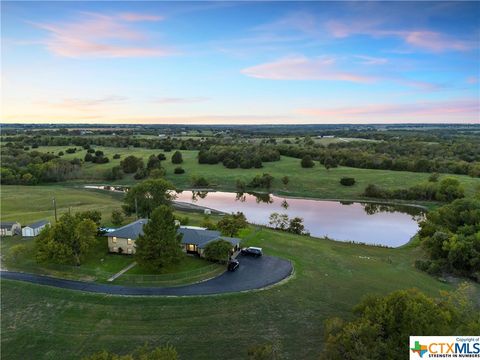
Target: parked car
point(233, 265)
point(252, 251)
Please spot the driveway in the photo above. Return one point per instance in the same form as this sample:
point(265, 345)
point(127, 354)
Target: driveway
point(253, 273)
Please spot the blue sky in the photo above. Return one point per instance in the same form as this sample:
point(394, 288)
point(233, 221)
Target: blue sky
point(240, 62)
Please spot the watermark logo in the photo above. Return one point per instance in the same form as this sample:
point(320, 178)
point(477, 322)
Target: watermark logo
point(420, 349)
point(453, 347)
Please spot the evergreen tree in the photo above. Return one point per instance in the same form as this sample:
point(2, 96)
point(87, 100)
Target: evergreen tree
point(160, 243)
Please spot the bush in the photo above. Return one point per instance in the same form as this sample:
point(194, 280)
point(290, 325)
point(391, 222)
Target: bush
point(347, 181)
point(161, 157)
point(116, 156)
point(200, 181)
point(88, 157)
point(140, 174)
point(263, 181)
point(71, 150)
point(218, 251)
point(60, 153)
point(307, 162)
point(90, 150)
point(179, 170)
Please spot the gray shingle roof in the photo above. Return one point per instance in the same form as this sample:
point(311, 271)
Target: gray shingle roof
point(199, 237)
point(7, 225)
point(38, 224)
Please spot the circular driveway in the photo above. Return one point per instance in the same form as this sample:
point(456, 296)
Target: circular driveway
point(253, 273)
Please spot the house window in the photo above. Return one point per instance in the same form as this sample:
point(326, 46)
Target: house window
point(129, 241)
point(114, 239)
point(129, 251)
point(191, 247)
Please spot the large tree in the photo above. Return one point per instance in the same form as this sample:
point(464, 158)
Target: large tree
point(68, 241)
point(382, 325)
point(148, 195)
point(131, 164)
point(218, 250)
point(231, 224)
point(160, 243)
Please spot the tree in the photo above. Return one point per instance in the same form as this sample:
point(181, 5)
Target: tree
point(157, 173)
point(179, 170)
point(307, 162)
point(330, 162)
point(449, 189)
point(68, 241)
point(160, 243)
point(296, 226)
point(382, 323)
point(218, 250)
point(17, 251)
point(149, 195)
point(117, 217)
point(115, 173)
point(231, 224)
point(285, 180)
point(279, 221)
point(450, 236)
point(153, 163)
point(131, 164)
point(177, 157)
point(94, 215)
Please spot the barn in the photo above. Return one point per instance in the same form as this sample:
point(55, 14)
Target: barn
point(35, 228)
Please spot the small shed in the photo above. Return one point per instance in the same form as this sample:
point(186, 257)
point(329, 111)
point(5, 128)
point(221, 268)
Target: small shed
point(10, 228)
point(35, 228)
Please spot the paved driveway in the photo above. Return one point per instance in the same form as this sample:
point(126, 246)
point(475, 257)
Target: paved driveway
point(253, 273)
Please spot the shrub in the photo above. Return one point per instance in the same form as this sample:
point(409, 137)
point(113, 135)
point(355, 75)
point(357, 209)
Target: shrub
point(88, 157)
point(200, 181)
point(218, 251)
point(71, 150)
point(90, 150)
point(140, 174)
point(307, 162)
point(116, 156)
point(60, 153)
point(263, 181)
point(179, 170)
point(347, 181)
point(161, 157)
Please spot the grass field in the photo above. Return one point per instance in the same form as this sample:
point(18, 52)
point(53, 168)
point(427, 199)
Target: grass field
point(315, 182)
point(330, 278)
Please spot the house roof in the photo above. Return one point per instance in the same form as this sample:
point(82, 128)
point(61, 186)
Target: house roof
point(38, 224)
point(7, 225)
point(190, 235)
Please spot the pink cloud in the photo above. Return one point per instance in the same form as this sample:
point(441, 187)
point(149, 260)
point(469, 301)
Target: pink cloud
point(140, 17)
point(303, 68)
point(438, 111)
point(370, 60)
point(181, 100)
point(423, 39)
point(97, 35)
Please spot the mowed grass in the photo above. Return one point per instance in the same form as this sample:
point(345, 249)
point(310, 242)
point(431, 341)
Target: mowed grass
point(27, 204)
point(316, 182)
point(330, 277)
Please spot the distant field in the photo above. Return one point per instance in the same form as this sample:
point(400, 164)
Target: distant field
point(330, 278)
point(315, 182)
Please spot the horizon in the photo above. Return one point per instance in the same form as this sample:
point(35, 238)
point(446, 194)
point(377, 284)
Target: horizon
point(240, 63)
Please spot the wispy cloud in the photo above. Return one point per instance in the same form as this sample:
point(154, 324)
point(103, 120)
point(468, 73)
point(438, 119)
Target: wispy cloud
point(439, 111)
point(304, 68)
point(370, 60)
point(99, 35)
point(429, 40)
point(86, 104)
point(181, 100)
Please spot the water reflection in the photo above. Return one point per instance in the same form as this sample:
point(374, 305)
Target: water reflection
point(369, 223)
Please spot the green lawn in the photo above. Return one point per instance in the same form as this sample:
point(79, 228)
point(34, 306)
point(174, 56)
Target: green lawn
point(316, 182)
point(330, 278)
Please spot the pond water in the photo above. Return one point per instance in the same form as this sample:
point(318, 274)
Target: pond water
point(374, 224)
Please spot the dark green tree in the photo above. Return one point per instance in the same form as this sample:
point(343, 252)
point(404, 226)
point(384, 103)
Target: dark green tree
point(307, 162)
point(117, 217)
point(131, 164)
point(177, 157)
point(160, 243)
point(148, 195)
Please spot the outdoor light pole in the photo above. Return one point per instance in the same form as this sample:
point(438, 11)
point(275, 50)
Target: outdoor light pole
point(55, 208)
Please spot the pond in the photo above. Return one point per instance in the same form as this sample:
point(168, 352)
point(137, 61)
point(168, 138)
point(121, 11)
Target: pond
point(374, 224)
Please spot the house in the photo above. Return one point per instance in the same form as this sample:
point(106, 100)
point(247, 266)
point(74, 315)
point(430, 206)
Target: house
point(35, 228)
point(10, 228)
point(194, 239)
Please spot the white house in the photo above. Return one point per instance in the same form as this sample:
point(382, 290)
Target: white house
point(35, 228)
point(10, 228)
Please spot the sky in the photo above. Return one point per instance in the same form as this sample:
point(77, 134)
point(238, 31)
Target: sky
point(240, 62)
